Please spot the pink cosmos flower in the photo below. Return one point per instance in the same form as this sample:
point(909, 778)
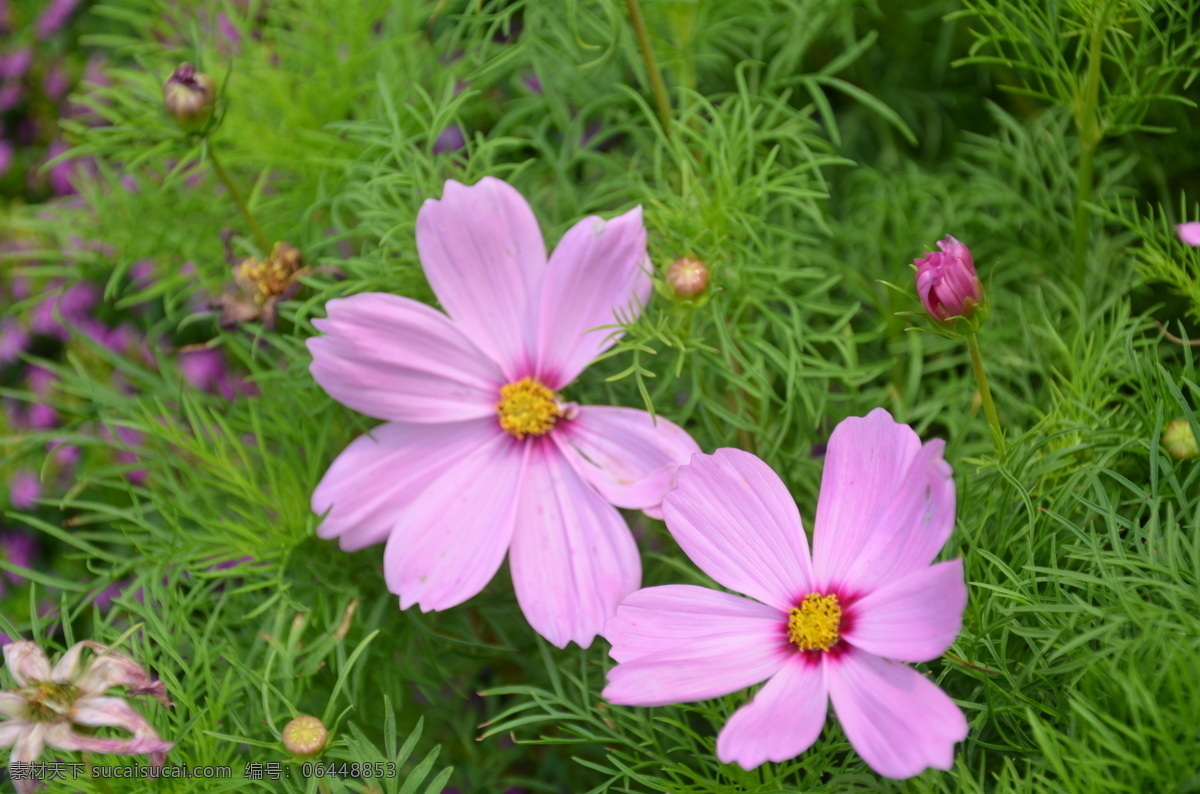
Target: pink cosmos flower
point(62, 707)
point(479, 454)
point(1189, 233)
point(946, 281)
point(833, 626)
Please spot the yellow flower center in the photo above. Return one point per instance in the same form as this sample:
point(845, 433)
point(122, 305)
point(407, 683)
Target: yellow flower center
point(46, 701)
point(813, 625)
point(527, 408)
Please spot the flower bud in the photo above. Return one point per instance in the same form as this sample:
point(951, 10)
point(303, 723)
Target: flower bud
point(189, 96)
point(687, 277)
point(305, 735)
point(1189, 233)
point(947, 283)
point(1180, 441)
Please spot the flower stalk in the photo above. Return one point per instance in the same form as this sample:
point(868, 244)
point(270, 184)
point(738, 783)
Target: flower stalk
point(657, 86)
point(260, 236)
point(985, 394)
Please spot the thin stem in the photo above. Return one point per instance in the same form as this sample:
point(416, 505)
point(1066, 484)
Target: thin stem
point(1089, 139)
point(989, 408)
point(260, 237)
point(985, 394)
point(657, 86)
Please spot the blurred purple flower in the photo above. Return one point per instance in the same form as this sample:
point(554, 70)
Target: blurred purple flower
point(229, 32)
point(55, 17)
point(57, 81)
point(19, 549)
point(127, 437)
point(73, 304)
point(103, 600)
point(14, 338)
point(6, 156)
point(63, 454)
point(11, 95)
point(24, 488)
point(450, 139)
point(532, 82)
point(14, 65)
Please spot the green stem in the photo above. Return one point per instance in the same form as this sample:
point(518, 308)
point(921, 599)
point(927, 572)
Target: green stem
point(657, 86)
point(985, 395)
point(259, 236)
point(1089, 139)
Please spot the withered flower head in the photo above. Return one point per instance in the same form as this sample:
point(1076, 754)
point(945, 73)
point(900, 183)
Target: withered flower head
point(61, 706)
point(189, 96)
point(262, 284)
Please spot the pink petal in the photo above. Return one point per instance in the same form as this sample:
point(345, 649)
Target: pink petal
point(109, 669)
point(865, 463)
point(12, 706)
point(914, 619)
point(898, 720)
point(598, 276)
point(783, 720)
point(627, 455)
point(450, 540)
point(26, 662)
point(658, 619)
point(12, 730)
point(573, 558)
point(396, 359)
point(380, 473)
point(911, 530)
point(706, 668)
point(1189, 233)
point(26, 750)
point(485, 259)
point(736, 520)
point(97, 712)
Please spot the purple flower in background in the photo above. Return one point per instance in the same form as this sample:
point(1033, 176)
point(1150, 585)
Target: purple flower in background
point(24, 488)
point(15, 64)
point(532, 82)
point(11, 95)
point(16, 548)
point(63, 454)
point(73, 304)
point(55, 17)
point(6, 156)
point(57, 81)
point(128, 437)
point(450, 139)
point(14, 337)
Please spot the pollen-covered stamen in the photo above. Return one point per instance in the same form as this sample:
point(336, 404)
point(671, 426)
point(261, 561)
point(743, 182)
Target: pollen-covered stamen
point(813, 626)
point(527, 408)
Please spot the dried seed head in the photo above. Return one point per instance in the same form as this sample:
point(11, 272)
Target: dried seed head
point(1180, 441)
point(687, 277)
point(305, 735)
point(189, 96)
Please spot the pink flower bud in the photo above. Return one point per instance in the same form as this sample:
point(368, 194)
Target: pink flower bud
point(305, 735)
point(189, 96)
point(1189, 232)
point(687, 277)
point(947, 282)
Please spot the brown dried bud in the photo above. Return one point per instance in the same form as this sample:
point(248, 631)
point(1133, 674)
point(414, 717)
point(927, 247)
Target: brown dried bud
point(687, 277)
point(189, 96)
point(305, 735)
point(1180, 441)
point(263, 284)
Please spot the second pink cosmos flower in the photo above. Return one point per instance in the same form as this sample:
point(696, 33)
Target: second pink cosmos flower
point(833, 625)
point(480, 455)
